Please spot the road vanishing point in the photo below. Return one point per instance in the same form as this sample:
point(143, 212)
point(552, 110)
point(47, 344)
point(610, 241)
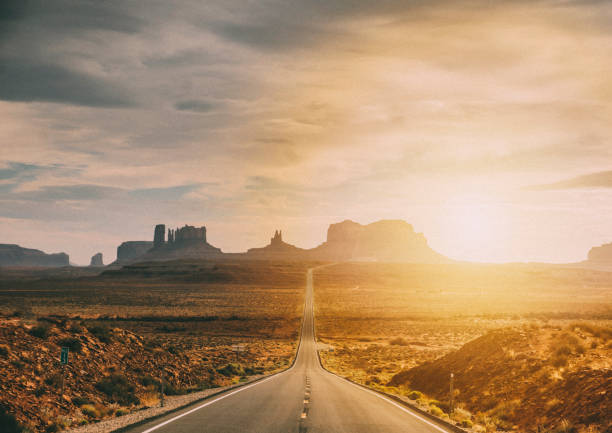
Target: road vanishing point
point(304, 398)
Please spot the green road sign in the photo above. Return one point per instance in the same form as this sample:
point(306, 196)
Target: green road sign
point(64, 355)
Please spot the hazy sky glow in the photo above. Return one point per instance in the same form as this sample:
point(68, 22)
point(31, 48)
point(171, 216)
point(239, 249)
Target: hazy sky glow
point(484, 124)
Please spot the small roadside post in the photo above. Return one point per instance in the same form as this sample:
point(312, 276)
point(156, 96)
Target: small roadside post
point(452, 396)
point(63, 361)
point(162, 388)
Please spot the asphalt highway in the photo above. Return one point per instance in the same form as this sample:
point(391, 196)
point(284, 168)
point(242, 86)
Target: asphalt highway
point(305, 398)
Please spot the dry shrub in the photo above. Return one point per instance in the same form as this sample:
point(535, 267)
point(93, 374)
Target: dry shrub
point(149, 399)
point(399, 341)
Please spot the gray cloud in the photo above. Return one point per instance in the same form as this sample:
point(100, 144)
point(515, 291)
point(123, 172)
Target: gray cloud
point(19, 172)
point(196, 105)
point(22, 80)
point(69, 16)
point(602, 179)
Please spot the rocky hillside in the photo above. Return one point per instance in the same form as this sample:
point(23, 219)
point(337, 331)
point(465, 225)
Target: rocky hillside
point(111, 371)
point(14, 255)
point(529, 378)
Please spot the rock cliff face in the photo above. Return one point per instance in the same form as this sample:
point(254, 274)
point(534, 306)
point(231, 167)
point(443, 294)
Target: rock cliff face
point(14, 255)
point(131, 250)
point(386, 240)
point(96, 260)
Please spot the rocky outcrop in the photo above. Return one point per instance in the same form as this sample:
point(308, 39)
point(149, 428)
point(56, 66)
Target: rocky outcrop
point(601, 254)
point(187, 242)
point(14, 255)
point(386, 240)
point(132, 250)
point(159, 236)
point(599, 258)
point(278, 249)
point(96, 260)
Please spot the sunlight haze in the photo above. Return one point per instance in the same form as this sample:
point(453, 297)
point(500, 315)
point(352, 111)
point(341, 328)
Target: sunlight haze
point(478, 123)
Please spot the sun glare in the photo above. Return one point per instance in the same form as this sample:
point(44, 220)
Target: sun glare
point(480, 228)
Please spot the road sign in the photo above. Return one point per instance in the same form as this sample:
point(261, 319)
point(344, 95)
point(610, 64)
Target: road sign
point(64, 355)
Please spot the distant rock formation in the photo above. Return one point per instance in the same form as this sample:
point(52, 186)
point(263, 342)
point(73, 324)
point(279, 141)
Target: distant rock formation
point(186, 234)
point(131, 250)
point(278, 249)
point(385, 241)
point(14, 255)
point(601, 254)
point(184, 242)
point(599, 258)
point(159, 236)
point(96, 260)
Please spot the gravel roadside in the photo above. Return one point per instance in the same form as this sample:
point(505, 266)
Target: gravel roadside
point(171, 404)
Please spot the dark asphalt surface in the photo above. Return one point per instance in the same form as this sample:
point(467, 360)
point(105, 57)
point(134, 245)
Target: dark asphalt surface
point(305, 398)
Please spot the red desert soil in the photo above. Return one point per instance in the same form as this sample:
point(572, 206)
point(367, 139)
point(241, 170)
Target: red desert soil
point(527, 378)
point(113, 371)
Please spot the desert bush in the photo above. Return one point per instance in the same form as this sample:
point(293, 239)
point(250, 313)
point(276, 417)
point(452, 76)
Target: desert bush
point(149, 381)
point(173, 350)
point(415, 395)
point(559, 361)
point(102, 333)
point(564, 350)
point(80, 401)
point(435, 410)
point(149, 398)
point(231, 370)
point(74, 344)
point(250, 371)
point(8, 422)
point(564, 426)
point(466, 423)
point(17, 364)
point(90, 411)
point(39, 331)
point(53, 428)
point(121, 412)
point(399, 341)
point(4, 350)
point(54, 380)
point(118, 389)
point(40, 391)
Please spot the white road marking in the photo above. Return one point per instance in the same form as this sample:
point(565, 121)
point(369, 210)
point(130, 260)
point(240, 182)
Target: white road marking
point(208, 403)
point(399, 406)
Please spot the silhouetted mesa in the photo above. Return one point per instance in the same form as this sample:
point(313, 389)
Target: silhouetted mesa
point(131, 250)
point(386, 241)
point(14, 255)
point(599, 258)
point(96, 260)
point(184, 242)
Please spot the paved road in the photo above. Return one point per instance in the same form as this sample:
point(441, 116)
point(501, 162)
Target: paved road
point(305, 398)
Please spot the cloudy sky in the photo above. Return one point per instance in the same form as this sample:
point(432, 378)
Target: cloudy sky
point(487, 125)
